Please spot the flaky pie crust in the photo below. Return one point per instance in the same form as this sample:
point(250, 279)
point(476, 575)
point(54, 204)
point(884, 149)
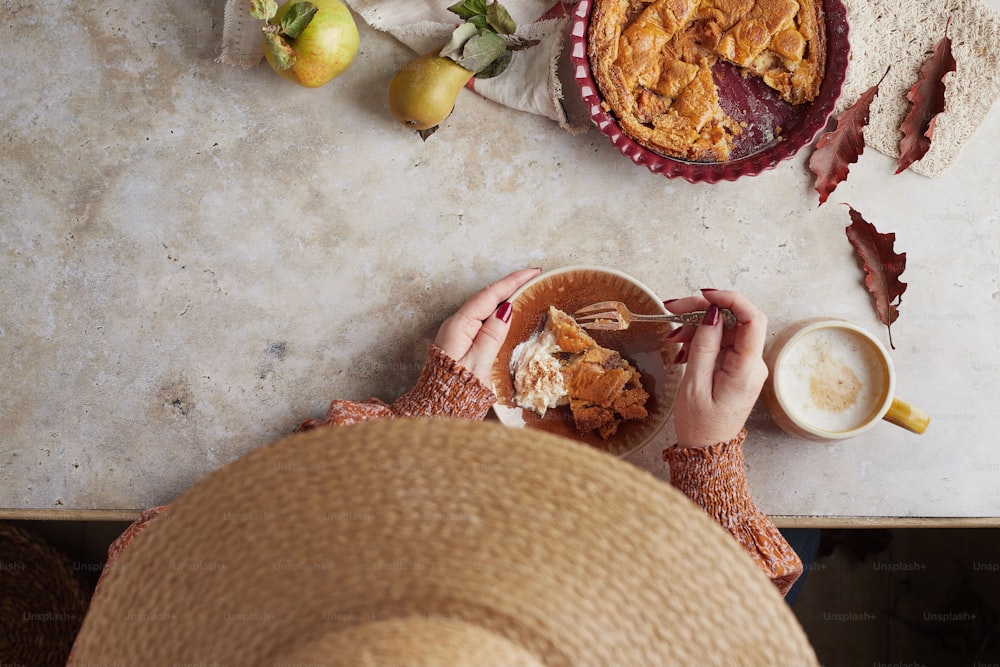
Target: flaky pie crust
point(652, 62)
point(604, 388)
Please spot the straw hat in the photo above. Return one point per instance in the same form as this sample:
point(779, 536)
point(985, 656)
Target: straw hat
point(436, 542)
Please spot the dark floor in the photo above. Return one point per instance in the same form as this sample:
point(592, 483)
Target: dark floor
point(871, 598)
point(85, 542)
point(915, 598)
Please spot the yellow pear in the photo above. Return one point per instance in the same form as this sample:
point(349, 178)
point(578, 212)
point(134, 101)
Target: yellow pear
point(423, 92)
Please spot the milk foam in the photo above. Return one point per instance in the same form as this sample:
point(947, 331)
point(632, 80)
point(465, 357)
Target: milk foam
point(833, 379)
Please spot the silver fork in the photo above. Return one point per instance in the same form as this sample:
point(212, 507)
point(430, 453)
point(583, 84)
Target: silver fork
point(615, 316)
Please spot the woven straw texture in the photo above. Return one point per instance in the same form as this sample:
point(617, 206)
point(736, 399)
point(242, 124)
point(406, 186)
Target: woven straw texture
point(436, 542)
point(901, 34)
point(42, 600)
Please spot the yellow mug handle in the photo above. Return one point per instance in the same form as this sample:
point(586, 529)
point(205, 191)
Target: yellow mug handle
point(903, 414)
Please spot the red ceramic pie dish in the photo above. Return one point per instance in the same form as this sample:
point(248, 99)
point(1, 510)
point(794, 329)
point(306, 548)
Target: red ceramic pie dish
point(774, 130)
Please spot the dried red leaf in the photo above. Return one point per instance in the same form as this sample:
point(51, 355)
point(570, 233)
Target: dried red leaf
point(837, 149)
point(882, 267)
point(927, 98)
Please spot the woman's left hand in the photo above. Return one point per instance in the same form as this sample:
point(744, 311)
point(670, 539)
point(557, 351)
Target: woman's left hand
point(474, 334)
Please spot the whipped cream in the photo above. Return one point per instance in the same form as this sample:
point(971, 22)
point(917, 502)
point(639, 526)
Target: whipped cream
point(538, 379)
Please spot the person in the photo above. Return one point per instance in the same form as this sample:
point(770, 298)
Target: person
point(724, 375)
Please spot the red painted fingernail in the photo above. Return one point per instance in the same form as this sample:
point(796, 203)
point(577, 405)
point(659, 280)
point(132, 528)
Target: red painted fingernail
point(682, 356)
point(669, 301)
point(709, 289)
point(504, 312)
point(711, 317)
point(675, 333)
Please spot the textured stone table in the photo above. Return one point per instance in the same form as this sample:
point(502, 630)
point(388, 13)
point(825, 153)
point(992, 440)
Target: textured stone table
point(195, 258)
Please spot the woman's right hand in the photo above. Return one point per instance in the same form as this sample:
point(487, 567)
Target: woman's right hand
point(725, 369)
point(473, 335)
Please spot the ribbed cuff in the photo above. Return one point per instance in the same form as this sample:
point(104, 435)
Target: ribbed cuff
point(445, 389)
point(714, 478)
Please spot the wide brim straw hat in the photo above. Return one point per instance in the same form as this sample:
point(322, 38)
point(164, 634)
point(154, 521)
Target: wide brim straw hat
point(436, 543)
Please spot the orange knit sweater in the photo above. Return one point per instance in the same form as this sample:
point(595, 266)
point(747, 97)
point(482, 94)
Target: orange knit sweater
point(444, 389)
point(715, 479)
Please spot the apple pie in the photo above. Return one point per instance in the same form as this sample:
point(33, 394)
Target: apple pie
point(652, 61)
point(563, 365)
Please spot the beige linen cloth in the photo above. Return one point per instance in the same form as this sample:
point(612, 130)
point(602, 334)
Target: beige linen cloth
point(531, 83)
point(883, 33)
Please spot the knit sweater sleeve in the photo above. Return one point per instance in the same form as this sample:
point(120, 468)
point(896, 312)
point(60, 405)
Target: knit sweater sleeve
point(444, 389)
point(714, 478)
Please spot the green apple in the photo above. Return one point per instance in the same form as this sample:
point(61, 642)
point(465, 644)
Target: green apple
point(311, 43)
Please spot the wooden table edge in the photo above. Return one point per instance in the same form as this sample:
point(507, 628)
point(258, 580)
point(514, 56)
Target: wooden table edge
point(781, 520)
point(869, 522)
point(22, 514)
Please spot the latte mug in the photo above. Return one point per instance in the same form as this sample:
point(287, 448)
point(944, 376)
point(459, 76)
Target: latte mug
point(830, 379)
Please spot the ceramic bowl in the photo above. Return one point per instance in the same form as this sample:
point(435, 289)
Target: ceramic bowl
point(644, 345)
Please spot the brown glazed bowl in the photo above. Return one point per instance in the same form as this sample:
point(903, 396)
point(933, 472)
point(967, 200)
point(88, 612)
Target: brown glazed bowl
point(644, 345)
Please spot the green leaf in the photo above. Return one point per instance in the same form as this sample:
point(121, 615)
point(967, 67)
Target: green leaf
point(297, 18)
point(469, 8)
point(482, 50)
point(481, 22)
point(263, 10)
point(500, 19)
point(496, 67)
point(459, 36)
point(284, 56)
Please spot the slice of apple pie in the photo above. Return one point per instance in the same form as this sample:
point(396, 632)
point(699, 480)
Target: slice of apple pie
point(563, 365)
